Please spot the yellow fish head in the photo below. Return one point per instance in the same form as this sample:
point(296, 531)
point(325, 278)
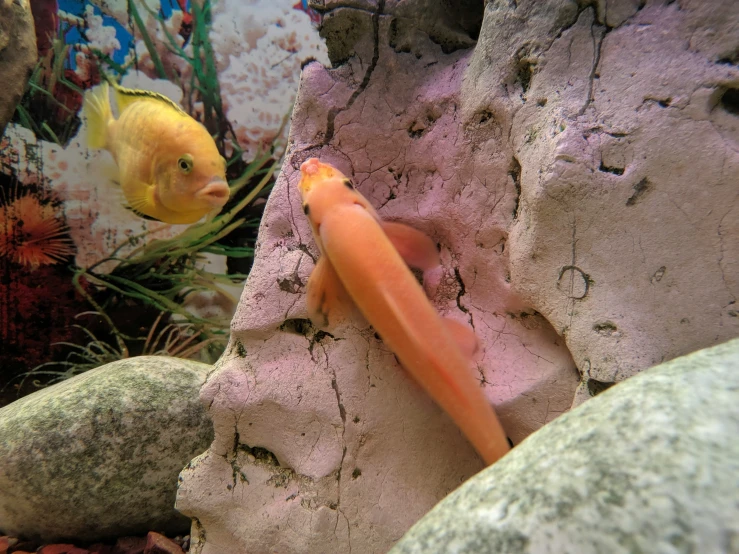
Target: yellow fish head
point(193, 178)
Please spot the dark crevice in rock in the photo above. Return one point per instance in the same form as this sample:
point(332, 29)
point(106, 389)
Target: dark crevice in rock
point(598, 33)
point(297, 326)
point(342, 410)
point(730, 101)
point(515, 173)
point(609, 169)
point(365, 81)
point(729, 59)
point(261, 455)
point(525, 68)
point(605, 328)
point(237, 474)
point(291, 284)
point(639, 190)
point(305, 328)
point(596, 387)
point(462, 291)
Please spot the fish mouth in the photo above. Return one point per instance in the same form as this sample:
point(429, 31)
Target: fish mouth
point(310, 170)
point(215, 193)
point(310, 166)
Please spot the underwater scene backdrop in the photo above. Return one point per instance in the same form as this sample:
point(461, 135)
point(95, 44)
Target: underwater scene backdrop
point(85, 279)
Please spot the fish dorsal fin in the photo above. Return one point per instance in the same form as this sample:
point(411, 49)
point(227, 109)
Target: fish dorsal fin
point(415, 247)
point(124, 97)
point(327, 300)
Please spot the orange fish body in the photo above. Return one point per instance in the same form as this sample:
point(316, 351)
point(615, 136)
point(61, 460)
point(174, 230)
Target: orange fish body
point(362, 255)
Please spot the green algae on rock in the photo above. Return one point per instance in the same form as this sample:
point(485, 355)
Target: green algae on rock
point(98, 455)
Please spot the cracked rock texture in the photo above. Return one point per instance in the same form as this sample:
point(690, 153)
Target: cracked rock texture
point(17, 54)
point(508, 152)
point(627, 233)
point(97, 456)
point(649, 466)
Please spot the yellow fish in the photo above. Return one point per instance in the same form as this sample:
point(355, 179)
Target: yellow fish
point(169, 166)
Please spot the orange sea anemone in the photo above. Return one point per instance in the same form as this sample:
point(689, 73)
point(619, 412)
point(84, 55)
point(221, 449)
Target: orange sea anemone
point(32, 234)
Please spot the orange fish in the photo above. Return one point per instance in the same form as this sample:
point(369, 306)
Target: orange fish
point(363, 264)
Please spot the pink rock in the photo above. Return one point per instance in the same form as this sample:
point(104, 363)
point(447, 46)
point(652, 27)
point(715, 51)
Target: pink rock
point(628, 228)
point(159, 544)
point(358, 452)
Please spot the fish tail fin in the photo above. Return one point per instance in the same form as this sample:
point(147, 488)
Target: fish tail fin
point(97, 110)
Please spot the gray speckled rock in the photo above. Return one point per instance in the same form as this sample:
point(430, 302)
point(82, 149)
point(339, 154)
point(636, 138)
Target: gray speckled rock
point(98, 455)
point(651, 465)
point(17, 54)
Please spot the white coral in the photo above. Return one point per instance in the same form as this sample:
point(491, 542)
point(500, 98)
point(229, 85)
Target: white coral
point(259, 47)
point(100, 36)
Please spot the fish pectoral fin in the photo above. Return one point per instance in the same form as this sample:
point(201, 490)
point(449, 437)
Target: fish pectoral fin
point(327, 300)
point(139, 197)
point(415, 247)
point(141, 215)
point(463, 336)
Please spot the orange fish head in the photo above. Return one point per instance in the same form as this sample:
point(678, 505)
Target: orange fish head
point(322, 187)
point(314, 172)
point(194, 178)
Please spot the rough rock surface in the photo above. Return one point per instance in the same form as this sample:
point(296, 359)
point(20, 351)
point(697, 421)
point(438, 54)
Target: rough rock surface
point(322, 441)
point(627, 232)
point(17, 54)
point(650, 465)
point(98, 455)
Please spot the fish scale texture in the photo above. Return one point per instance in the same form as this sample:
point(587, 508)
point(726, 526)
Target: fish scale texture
point(97, 456)
point(650, 465)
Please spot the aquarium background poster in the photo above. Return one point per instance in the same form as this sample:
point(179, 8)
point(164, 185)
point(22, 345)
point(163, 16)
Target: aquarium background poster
point(84, 279)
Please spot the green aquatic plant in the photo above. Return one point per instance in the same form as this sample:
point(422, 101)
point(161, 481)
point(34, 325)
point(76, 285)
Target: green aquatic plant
point(176, 339)
point(140, 290)
point(203, 84)
point(51, 101)
point(161, 274)
point(157, 277)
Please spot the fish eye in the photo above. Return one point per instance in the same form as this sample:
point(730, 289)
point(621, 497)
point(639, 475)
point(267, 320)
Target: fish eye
point(185, 164)
point(348, 183)
point(306, 209)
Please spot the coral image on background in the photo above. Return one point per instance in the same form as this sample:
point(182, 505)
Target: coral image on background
point(232, 65)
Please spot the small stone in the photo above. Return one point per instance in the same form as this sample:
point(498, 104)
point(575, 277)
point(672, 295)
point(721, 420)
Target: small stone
point(133, 421)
